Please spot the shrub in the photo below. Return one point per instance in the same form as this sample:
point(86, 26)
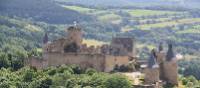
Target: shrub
point(117, 81)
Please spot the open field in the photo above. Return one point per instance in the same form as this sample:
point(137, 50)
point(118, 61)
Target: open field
point(171, 23)
point(78, 8)
point(92, 42)
point(138, 12)
point(109, 17)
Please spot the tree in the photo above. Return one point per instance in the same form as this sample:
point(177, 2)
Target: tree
point(4, 62)
point(117, 81)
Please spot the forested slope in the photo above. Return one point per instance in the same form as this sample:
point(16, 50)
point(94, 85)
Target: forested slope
point(40, 10)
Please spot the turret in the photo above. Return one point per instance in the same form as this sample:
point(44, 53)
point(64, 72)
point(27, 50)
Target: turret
point(170, 53)
point(152, 71)
point(170, 67)
point(152, 63)
point(160, 47)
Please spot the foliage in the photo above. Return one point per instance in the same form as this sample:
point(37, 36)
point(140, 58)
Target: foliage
point(190, 81)
point(190, 68)
point(62, 76)
point(117, 81)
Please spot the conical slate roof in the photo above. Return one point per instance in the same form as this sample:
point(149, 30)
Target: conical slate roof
point(45, 38)
point(160, 48)
point(152, 60)
point(170, 53)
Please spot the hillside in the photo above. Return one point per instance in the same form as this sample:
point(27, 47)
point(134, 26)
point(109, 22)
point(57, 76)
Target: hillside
point(151, 26)
point(24, 22)
point(140, 3)
point(40, 10)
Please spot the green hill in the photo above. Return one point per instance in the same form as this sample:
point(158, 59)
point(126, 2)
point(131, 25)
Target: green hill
point(41, 10)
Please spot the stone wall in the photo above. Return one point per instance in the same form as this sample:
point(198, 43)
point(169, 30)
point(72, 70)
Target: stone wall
point(99, 62)
point(151, 75)
point(111, 61)
point(36, 62)
point(95, 61)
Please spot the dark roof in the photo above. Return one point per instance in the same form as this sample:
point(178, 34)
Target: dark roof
point(160, 48)
point(152, 59)
point(170, 53)
point(45, 38)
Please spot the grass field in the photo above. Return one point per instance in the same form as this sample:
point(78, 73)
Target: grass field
point(171, 23)
point(137, 13)
point(92, 42)
point(78, 8)
point(189, 31)
point(109, 17)
point(194, 30)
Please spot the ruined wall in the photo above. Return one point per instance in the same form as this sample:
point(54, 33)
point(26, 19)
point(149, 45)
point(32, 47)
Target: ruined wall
point(95, 61)
point(111, 61)
point(55, 46)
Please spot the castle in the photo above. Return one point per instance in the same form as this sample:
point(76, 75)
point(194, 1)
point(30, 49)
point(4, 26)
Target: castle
point(70, 50)
point(121, 51)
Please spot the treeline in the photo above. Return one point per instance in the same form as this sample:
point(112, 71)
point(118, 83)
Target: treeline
point(190, 68)
point(61, 77)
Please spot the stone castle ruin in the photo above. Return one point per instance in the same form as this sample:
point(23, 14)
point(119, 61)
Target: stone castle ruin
point(70, 50)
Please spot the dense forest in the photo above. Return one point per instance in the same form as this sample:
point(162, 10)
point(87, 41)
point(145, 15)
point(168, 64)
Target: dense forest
point(23, 24)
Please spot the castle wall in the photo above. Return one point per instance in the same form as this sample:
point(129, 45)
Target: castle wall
point(111, 61)
point(95, 61)
point(36, 62)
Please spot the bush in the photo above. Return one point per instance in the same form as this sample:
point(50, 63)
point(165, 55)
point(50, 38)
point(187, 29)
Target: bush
point(117, 81)
point(90, 71)
point(4, 62)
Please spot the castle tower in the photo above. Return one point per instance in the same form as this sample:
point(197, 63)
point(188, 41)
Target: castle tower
point(170, 67)
point(160, 48)
point(74, 34)
point(160, 59)
point(152, 70)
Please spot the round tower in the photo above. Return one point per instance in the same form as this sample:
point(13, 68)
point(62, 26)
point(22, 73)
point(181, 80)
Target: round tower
point(170, 67)
point(152, 70)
